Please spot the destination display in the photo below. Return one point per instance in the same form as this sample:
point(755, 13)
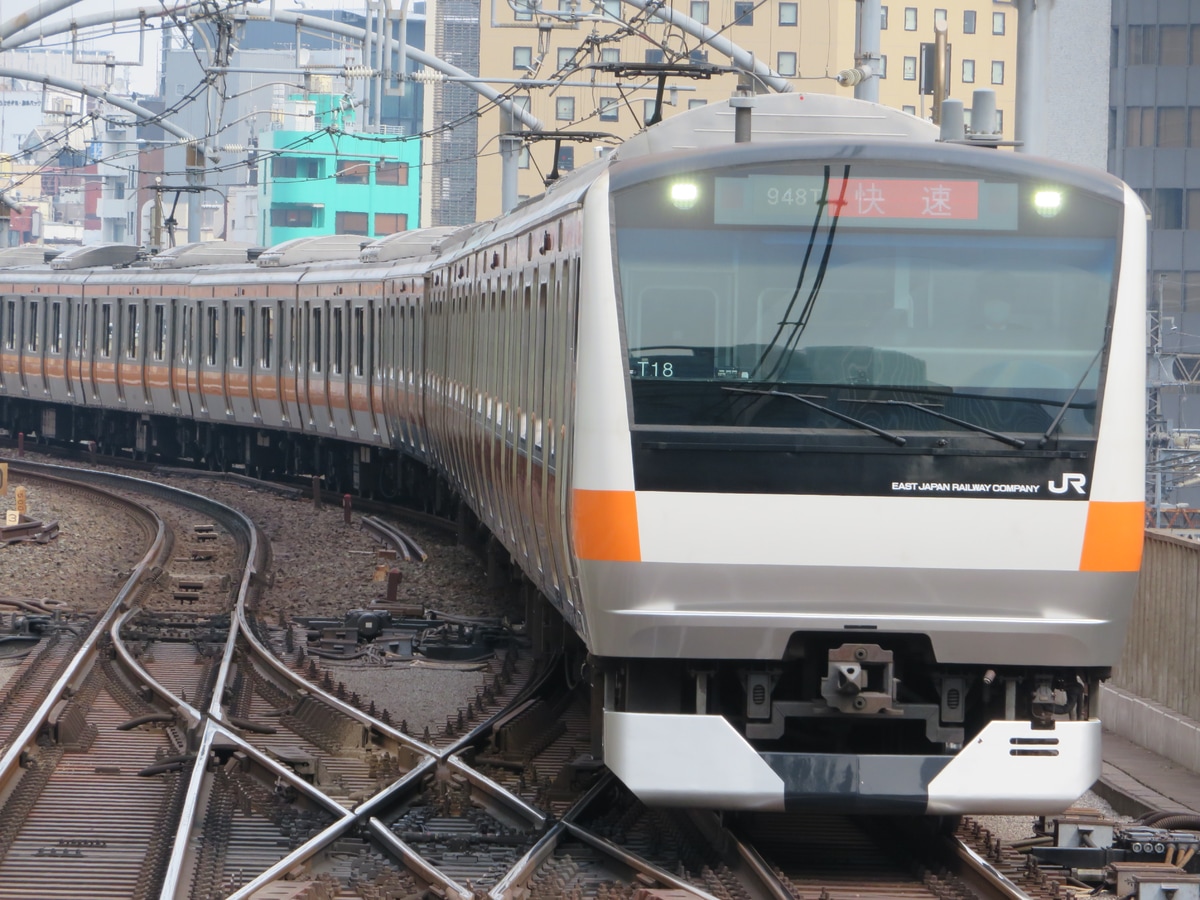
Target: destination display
point(857, 201)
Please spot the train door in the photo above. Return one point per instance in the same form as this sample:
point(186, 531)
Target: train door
point(132, 370)
point(264, 380)
point(187, 356)
point(59, 386)
point(341, 409)
point(290, 366)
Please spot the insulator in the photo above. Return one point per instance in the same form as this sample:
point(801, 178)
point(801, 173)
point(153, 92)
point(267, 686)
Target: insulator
point(359, 72)
point(426, 76)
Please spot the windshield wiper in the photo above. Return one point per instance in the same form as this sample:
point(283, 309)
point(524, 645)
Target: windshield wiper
point(1011, 441)
point(1062, 410)
point(886, 435)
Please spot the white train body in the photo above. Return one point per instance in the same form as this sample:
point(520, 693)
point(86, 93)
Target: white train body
point(828, 446)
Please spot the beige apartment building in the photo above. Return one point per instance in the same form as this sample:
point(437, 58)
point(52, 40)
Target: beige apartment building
point(807, 42)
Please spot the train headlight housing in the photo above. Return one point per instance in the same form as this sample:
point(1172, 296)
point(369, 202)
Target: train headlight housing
point(684, 194)
point(1048, 203)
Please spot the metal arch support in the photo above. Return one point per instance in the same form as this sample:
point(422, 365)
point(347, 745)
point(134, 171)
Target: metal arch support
point(78, 87)
point(743, 59)
point(10, 38)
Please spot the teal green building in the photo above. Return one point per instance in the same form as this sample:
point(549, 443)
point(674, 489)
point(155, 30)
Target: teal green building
point(336, 182)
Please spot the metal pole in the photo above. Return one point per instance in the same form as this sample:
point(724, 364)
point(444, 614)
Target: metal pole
point(1031, 74)
point(195, 179)
point(510, 153)
point(866, 56)
point(939, 70)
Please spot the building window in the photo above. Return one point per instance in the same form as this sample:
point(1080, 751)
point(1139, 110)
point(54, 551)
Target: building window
point(350, 223)
point(911, 110)
point(1194, 130)
point(1171, 127)
point(391, 173)
point(353, 171)
point(968, 71)
point(697, 103)
point(1143, 46)
point(969, 21)
point(999, 121)
point(910, 68)
point(523, 10)
point(612, 8)
point(997, 71)
point(743, 12)
point(293, 217)
point(610, 55)
point(566, 58)
point(523, 158)
point(1173, 45)
point(390, 223)
point(610, 109)
point(566, 159)
point(564, 109)
point(654, 57)
point(910, 18)
point(1139, 126)
point(883, 18)
point(698, 56)
point(1195, 45)
point(883, 65)
point(785, 63)
point(939, 18)
point(997, 23)
point(789, 13)
point(1193, 209)
point(523, 58)
point(1167, 211)
point(295, 167)
point(648, 107)
point(699, 11)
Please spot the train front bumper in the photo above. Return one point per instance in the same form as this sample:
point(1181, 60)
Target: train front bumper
point(701, 761)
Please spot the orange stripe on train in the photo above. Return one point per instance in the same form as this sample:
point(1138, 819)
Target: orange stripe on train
point(1113, 539)
point(605, 526)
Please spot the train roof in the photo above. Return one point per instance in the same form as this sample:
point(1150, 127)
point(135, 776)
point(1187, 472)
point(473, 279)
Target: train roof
point(780, 117)
point(304, 250)
point(91, 256)
point(30, 255)
point(407, 244)
point(202, 253)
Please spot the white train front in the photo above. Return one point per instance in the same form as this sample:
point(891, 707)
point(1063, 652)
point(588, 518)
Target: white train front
point(828, 446)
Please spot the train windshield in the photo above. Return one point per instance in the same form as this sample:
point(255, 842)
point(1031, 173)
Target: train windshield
point(812, 295)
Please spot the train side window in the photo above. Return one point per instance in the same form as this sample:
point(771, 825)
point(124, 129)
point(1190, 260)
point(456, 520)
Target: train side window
point(131, 349)
point(160, 332)
point(268, 335)
point(239, 337)
point(292, 339)
point(213, 321)
point(10, 332)
point(33, 326)
point(81, 329)
point(336, 337)
point(316, 340)
point(56, 337)
point(360, 337)
point(106, 334)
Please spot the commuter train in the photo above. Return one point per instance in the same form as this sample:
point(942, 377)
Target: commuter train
point(827, 445)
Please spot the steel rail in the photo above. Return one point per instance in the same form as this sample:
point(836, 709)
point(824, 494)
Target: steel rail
point(86, 654)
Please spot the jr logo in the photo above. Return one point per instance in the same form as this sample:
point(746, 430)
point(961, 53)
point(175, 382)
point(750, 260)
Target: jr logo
point(1069, 480)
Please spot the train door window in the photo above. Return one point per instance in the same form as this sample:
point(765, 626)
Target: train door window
point(160, 332)
point(185, 343)
point(239, 336)
point(267, 315)
point(292, 338)
point(316, 340)
point(213, 323)
point(10, 331)
point(337, 339)
point(56, 337)
point(360, 340)
point(131, 348)
point(33, 326)
point(81, 342)
point(106, 330)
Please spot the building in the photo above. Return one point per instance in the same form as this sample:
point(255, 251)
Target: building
point(578, 42)
point(1155, 147)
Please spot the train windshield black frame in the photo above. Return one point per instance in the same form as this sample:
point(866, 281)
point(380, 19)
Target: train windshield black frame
point(985, 297)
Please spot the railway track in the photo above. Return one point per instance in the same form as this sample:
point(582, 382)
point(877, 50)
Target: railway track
point(186, 751)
